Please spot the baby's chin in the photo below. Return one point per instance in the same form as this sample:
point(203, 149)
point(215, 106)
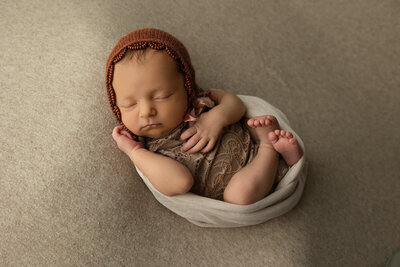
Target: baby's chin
point(155, 133)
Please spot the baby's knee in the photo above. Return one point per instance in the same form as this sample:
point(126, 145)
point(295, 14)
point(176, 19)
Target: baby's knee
point(239, 196)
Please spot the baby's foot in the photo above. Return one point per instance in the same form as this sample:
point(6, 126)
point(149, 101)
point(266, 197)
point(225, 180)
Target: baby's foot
point(261, 126)
point(286, 145)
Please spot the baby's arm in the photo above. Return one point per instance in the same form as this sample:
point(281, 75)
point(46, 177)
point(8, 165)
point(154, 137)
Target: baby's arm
point(229, 106)
point(206, 130)
point(167, 175)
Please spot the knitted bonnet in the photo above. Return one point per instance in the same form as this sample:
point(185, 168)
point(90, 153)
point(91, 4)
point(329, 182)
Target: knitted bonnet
point(154, 39)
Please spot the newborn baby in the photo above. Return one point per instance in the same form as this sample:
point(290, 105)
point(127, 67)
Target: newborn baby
point(182, 138)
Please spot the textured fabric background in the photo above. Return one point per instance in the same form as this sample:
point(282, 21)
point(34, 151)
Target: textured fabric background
point(68, 196)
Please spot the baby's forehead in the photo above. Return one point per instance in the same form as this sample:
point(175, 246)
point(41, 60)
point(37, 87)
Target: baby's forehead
point(141, 55)
point(146, 68)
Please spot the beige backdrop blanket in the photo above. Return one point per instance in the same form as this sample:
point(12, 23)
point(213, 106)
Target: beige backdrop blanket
point(207, 212)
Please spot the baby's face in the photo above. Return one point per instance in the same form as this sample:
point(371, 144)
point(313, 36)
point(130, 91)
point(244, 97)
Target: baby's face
point(150, 94)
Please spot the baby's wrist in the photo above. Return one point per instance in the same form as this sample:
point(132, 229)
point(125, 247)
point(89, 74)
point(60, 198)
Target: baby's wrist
point(219, 116)
point(134, 153)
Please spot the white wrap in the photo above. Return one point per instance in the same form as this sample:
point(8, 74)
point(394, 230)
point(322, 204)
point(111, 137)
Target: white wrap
point(207, 212)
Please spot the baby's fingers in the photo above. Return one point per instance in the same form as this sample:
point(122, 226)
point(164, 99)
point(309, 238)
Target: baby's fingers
point(116, 131)
point(120, 134)
point(199, 146)
point(209, 146)
point(188, 133)
point(191, 143)
point(123, 132)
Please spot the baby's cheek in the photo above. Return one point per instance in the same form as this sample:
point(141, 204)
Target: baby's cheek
point(130, 122)
point(180, 109)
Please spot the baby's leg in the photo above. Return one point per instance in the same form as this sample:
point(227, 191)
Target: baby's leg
point(255, 180)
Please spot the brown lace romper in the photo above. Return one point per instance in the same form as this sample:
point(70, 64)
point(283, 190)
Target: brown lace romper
point(212, 171)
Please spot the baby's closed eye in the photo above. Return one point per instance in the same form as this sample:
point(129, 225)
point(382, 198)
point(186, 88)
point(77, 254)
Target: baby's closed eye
point(162, 96)
point(128, 105)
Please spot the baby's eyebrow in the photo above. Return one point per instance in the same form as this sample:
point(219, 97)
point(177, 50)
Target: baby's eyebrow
point(157, 90)
point(161, 89)
point(158, 87)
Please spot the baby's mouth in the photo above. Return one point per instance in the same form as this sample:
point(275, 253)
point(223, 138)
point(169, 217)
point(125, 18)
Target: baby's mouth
point(151, 126)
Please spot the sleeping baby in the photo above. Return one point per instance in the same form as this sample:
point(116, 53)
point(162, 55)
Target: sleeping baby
point(183, 138)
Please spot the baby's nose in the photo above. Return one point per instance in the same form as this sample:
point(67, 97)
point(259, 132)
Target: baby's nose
point(146, 109)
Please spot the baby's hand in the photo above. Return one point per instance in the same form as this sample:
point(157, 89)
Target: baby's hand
point(203, 134)
point(126, 143)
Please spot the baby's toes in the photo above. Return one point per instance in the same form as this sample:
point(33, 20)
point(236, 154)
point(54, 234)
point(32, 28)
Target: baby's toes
point(289, 135)
point(273, 137)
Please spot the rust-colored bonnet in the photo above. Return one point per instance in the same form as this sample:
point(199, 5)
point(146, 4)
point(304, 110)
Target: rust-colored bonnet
point(154, 39)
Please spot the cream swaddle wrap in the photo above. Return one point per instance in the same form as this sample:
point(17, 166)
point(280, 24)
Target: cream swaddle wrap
point(207, 212)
